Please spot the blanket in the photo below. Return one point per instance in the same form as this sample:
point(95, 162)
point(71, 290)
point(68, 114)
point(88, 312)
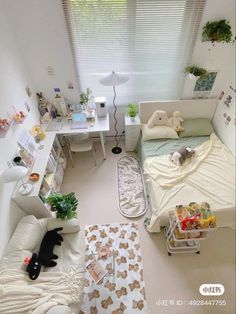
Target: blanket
point(211, 152)
point(208, 177)
point(19, 294)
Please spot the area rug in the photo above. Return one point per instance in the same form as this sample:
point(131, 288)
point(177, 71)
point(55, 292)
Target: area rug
point(132, 200)
point(122, 290)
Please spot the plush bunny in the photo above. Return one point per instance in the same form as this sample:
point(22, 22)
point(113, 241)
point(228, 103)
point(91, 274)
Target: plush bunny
point(159, 117)
point(179, 157)
point(175, 121)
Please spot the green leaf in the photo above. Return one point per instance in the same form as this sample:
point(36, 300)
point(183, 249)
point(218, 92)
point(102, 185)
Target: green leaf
point(64, 205)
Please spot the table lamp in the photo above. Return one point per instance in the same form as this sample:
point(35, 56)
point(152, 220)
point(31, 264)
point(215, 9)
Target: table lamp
point(14, 174)
point(113, 79)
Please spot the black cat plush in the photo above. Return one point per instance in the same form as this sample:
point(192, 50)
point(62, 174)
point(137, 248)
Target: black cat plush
point(45, 257)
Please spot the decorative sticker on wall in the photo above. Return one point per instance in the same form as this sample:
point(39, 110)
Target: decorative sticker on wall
point(221, 95)
point(227, 118)
point(204, 85)
point(27, 107)
point(5, 123)
point(206, 82)
point(227, 101)
point(28, 91)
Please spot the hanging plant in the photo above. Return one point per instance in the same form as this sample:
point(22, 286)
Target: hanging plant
point(217, 31)
point(193, 70)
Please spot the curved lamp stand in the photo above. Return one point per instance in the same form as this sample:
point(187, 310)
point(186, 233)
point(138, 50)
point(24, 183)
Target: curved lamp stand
point(113, 79)
point(116, 149)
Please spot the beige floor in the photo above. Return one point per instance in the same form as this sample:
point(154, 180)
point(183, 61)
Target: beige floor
point(167, 278)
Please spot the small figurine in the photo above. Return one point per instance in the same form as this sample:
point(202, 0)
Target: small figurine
point(190, 222)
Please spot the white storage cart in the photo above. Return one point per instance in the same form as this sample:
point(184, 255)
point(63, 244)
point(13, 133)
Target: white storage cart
point(183, 241)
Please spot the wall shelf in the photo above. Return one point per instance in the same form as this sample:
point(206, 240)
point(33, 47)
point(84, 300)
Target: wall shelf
point(50, 163)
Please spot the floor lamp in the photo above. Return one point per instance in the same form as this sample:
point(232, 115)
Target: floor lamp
point(114, 79)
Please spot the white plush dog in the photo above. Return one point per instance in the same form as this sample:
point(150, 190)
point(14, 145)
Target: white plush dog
point(175, 121)
point(159, 117)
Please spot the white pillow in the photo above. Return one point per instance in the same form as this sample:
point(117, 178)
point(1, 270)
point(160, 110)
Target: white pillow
point(69, 225)
point(157, 132)
point(27, 235)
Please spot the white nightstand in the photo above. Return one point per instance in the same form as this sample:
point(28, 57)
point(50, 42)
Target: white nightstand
point(132, 133)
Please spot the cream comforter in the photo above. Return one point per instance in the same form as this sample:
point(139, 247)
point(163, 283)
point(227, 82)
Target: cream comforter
point(208, 176)
point(19, 294)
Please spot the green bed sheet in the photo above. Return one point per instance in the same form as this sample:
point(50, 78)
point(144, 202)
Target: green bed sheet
point(165, 146)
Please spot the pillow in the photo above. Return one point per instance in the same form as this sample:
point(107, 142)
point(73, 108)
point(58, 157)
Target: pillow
point(196, 127)
point(27, 235)
point(159, 117)
point(157, 132)
point(69, 225)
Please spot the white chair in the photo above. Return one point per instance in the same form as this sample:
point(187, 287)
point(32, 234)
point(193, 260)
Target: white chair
point(78, 143)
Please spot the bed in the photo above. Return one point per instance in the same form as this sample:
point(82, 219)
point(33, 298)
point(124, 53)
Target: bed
point(208, 177)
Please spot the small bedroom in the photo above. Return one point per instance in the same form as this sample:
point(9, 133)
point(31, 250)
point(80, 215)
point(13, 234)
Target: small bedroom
point(117, 156)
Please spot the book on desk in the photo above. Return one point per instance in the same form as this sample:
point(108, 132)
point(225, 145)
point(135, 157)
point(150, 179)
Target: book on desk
point(79, 121)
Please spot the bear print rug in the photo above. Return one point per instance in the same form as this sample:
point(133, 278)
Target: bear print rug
point(122, 289)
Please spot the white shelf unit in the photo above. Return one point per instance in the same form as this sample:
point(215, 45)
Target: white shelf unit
point(132, 133)
point(50, 163)
point(183, 241)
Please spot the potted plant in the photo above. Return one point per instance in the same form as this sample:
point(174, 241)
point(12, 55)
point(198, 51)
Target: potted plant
point(132, 111)
point(63, 204)
point(195, 72)
point(217, 31)
point(85, 97)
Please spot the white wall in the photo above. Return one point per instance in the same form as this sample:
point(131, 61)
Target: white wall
point(14, 78)
point(225, 130)
point(41, 34)
point(220, 57)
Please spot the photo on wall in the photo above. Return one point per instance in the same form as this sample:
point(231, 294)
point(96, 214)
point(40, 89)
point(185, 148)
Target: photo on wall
point(204, 85)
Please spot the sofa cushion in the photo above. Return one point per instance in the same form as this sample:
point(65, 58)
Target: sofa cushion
point(28, 234)
point(59, 309)
point(69, 225)
point(14, 259)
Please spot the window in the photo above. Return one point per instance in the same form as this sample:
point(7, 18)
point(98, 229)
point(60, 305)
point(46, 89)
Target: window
point(150, 40)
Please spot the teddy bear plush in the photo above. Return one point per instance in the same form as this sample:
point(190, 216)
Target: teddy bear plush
point(159, 117)
point(45, 257)
point(179, 157)
point(175, 121)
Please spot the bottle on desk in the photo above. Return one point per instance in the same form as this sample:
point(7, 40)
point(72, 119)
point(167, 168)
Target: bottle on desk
point(60, 105)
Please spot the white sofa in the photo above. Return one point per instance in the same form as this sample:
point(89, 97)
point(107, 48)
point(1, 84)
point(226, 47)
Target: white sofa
point(70, 265)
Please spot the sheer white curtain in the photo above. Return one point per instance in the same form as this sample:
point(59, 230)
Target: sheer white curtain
point(150, 40)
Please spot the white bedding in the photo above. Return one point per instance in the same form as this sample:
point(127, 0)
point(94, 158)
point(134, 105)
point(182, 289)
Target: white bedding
point(208, 177)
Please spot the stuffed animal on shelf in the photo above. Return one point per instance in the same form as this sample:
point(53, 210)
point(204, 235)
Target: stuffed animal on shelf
point(175, 121)
point(159, 117)
point(45, 257)
point(179, 157)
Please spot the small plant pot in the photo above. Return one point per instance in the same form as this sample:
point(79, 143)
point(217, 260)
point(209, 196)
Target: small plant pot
point(193, 77)
point(132, 119)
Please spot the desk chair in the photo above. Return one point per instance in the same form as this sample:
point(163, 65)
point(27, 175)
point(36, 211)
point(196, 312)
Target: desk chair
point(78, 143)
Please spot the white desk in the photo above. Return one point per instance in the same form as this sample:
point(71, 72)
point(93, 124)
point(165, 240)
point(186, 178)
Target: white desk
point(100, 125)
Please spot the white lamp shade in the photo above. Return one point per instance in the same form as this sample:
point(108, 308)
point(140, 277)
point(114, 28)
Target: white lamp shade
point(13, 174)
point(114, 79)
